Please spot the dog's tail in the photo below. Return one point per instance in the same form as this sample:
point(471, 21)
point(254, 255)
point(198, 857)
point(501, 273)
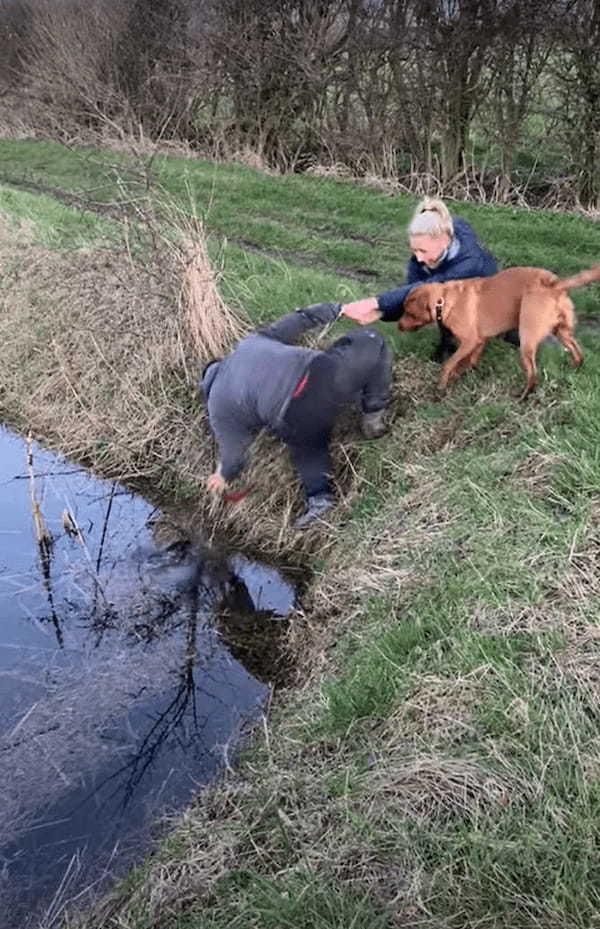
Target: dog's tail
point(578, 280)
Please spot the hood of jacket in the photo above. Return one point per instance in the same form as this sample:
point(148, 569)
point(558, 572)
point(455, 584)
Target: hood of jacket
point(208, 378)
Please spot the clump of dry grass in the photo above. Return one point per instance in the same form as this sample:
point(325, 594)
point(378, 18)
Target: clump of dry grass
point(435, 788)
point(337, 170)
point(249, 157)
point(178, 235)
point(437, 711)
point(212, 326)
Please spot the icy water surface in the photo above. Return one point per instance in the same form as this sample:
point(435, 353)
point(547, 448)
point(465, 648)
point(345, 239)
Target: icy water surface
point(118, 699)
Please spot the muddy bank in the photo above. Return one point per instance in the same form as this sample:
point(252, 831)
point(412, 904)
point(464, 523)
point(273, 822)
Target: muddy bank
point(121, 692)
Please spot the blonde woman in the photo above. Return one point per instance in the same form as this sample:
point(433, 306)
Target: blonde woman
point(443, 249)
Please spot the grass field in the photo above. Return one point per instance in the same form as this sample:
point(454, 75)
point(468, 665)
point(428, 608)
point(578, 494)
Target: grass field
point(437, 762)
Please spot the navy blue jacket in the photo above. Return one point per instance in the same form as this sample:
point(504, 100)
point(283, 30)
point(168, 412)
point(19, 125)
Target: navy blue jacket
point(470, 259)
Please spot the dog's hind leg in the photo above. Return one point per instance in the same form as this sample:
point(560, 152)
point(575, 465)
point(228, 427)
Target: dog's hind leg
point(538, 317)
point(572, 346)
point(564, 330)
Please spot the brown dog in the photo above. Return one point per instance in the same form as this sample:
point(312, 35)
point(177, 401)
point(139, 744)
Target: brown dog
point(531, 299)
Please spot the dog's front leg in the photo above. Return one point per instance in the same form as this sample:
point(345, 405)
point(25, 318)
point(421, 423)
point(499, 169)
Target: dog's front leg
point(461, 356)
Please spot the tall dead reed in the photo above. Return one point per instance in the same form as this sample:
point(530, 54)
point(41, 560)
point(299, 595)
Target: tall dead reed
point(212, 325)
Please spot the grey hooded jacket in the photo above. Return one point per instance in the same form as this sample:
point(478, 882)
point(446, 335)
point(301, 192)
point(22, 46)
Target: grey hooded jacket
point(251, 388)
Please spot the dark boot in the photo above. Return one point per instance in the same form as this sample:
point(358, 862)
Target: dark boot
point(373, 425)
point(317, 506)
point(446, 346)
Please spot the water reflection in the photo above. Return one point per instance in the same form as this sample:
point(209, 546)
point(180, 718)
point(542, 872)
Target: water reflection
point(118, 696)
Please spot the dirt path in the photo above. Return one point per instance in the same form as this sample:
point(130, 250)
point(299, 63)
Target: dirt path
point(121, 211)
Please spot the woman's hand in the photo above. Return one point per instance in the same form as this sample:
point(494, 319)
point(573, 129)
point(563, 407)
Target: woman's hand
point(362, 311)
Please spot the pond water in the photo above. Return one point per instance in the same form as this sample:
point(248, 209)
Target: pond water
point(118, 697)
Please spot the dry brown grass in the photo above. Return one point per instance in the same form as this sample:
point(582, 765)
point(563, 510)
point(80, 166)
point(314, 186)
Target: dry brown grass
point(437, 711)
point(212, 326)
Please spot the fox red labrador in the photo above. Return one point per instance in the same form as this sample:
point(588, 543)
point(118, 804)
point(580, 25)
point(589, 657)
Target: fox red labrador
point(532, 300)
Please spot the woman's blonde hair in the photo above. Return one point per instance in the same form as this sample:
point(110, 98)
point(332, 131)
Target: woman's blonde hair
point(431, 217)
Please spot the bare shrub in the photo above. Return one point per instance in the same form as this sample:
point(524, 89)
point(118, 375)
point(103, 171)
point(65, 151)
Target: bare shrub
point(176, 236)
point(66, 83)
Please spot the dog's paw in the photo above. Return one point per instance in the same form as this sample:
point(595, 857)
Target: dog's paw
point(525, 393)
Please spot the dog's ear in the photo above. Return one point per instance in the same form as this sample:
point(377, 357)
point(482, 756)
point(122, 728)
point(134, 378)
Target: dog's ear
point(417, 301)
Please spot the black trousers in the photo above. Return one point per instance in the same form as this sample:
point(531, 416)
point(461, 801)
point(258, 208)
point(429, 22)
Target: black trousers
point(356, 369)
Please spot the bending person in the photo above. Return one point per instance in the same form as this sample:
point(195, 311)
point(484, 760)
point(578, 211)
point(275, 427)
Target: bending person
point(296, 393)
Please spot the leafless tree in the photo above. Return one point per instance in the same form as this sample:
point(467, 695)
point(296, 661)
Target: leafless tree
point(15, 19)
point(152, 67)
point(576, 68)
point(517, 62)
point(275, 62)
point(63, 56)
point(415, 89)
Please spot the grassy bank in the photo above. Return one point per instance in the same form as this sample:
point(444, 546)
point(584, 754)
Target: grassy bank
point(437, 763)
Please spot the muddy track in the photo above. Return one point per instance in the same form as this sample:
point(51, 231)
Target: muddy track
point(67, 197)
point(121, 211)
point(304, 261)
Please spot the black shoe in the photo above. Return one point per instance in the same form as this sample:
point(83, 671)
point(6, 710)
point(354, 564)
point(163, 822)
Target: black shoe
point(317, 506)
point(373, 425)
point(512, 337)
point(442, 352)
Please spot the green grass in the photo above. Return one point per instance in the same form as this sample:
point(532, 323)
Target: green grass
point(509, 552)
point(55, 225)
point(309, 219)
point(440, 767)
point(304, 902)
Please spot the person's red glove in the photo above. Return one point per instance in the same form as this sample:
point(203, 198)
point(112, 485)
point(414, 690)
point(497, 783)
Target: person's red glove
point(236, 496)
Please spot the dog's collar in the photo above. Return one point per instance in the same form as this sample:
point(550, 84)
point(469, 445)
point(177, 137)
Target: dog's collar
point(438, 309)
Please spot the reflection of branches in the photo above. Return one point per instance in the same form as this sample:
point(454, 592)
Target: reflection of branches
point(35, 735)
point(105, 526)
point(165, 607)
point(167, 721)
point(24, 477)
point(165, 724)
point(44, 542)
point(45, 552)
point(76, 531)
